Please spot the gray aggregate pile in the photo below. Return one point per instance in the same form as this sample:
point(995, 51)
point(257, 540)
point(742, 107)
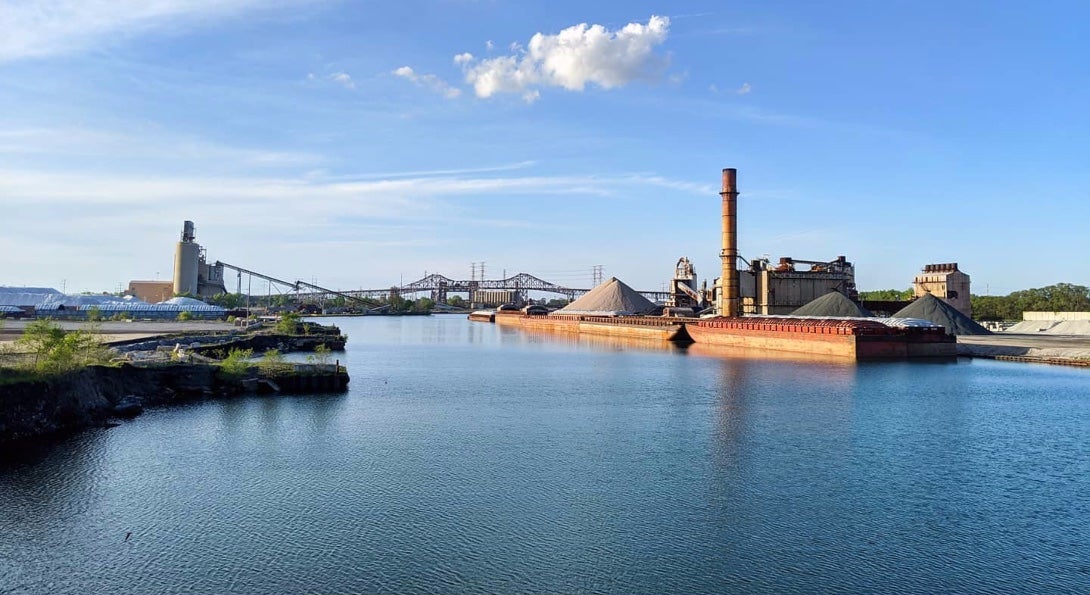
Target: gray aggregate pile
point(612, 298)
point(939, 312)
point(835, 304)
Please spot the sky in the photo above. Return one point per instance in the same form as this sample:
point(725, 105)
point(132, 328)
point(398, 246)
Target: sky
point(361, 144)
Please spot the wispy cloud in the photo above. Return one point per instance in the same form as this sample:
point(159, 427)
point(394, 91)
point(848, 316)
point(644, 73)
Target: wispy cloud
point(571, 59)
point(428, 81)
point(744, 89)
point(89, 142)
point(40, 28)
point(343, 79)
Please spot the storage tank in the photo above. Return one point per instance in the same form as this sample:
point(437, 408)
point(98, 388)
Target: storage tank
point(186, 262)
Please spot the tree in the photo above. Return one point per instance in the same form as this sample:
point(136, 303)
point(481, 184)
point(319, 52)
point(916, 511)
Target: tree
point(288, 324)
point(56, 350)
point(887, 295)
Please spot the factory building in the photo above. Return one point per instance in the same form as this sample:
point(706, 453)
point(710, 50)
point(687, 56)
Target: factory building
point(489, 298)
point(767, 289)
point(947, 283)
point(192, 273)
point(151, 292)
point(783, 288)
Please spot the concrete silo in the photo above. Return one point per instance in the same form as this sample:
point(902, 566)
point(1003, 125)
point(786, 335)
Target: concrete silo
point(186, 262)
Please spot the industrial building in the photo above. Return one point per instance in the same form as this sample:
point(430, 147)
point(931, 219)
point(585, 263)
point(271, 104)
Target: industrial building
point(192, 273)
point(784, 288)
point(947, 283)
point(151, 291)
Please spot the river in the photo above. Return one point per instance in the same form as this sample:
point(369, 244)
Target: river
point(470, 458)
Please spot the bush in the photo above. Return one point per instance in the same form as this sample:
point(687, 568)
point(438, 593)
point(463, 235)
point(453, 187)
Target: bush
point(288, 324)
point(185, 315)
point(321, 355)
point(55, 350)
point(237, 363)
point(272, 362)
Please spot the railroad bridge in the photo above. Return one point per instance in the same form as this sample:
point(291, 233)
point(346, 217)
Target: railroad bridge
point(437, 286)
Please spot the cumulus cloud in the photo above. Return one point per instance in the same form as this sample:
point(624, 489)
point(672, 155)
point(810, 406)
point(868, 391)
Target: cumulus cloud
point(744, 89)
point(429, 81)
point(577, 56)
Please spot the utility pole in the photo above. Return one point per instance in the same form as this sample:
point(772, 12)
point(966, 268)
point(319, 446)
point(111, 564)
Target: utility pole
point(596, 272)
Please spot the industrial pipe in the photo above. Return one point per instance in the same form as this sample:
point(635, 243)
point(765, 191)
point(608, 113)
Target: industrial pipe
point(731, 299)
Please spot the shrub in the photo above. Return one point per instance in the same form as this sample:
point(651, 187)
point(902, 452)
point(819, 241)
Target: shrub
point(288, 323)
point(321, 355)
point(185, 315)
point(272, 362)
point(237, 363)
point(56, 350)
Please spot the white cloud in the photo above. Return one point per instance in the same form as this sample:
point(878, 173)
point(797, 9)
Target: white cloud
point(489, 45)
point(744, 89)
point(343, 79)
point(48, 27)
point(463, 58)
point(429, 81)
point(577, 56)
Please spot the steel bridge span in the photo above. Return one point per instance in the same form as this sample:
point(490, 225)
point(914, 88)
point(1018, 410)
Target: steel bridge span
point(437, 286)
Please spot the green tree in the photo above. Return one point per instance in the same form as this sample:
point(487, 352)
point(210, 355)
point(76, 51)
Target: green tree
point(887, 295)
point(237, 363)
point(321, 355)
point(56, 350)
point(288, 324)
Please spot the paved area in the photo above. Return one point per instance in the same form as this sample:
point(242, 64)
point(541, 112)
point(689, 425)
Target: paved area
point(111, 330)
point(1040, 345)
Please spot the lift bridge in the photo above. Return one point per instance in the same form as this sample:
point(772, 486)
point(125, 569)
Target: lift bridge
point(435, 285)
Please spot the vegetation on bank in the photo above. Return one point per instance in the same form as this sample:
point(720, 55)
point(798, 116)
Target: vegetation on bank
point(1061, 297)
point(45, 349)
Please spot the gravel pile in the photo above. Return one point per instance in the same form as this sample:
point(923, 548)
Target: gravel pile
point(833, 303)
point(939, 312)
point(1051, 327)
point(612, 298)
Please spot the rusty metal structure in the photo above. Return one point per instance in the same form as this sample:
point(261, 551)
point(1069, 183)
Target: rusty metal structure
point(686, 299)
point(730, 297)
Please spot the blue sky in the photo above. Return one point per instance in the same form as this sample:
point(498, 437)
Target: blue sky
point(361, 143)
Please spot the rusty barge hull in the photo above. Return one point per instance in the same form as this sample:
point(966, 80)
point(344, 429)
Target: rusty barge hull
point(850, 339)
point(629, 327)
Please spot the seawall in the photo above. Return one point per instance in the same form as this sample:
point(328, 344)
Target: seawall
point(89, 397)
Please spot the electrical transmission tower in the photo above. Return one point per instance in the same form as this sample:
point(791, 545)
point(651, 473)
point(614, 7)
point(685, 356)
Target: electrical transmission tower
point(597, 272)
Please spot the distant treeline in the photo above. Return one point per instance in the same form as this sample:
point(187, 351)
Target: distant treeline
point(1061, 297)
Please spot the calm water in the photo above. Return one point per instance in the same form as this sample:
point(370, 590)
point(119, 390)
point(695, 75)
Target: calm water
point(468, 458)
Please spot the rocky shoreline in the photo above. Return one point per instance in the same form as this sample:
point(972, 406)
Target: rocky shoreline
point(95, 395)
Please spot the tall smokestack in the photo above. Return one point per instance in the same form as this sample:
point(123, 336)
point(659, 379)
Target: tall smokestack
point(731, 300)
